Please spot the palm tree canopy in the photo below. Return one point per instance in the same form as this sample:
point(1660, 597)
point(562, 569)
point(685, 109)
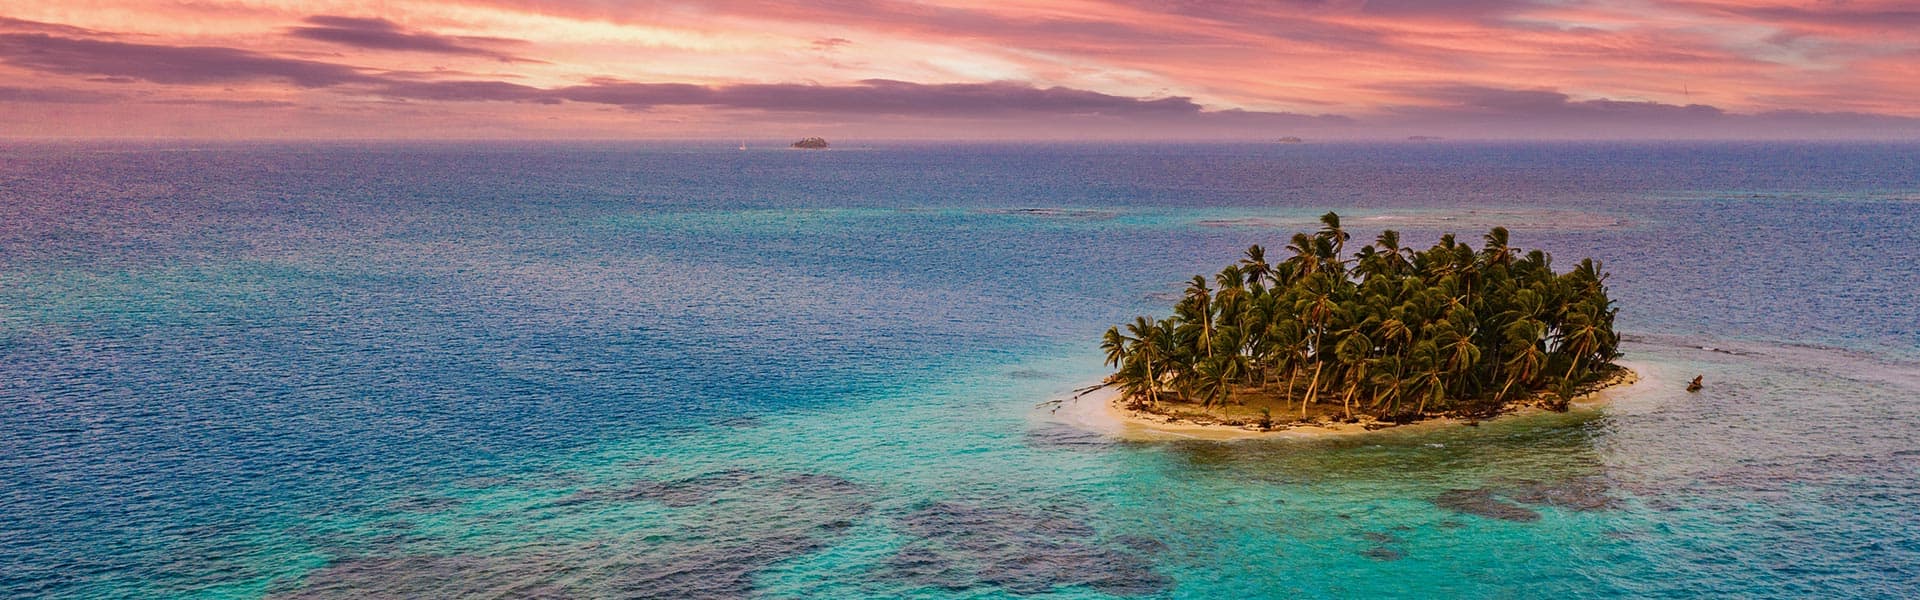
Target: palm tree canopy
point(1445, 328)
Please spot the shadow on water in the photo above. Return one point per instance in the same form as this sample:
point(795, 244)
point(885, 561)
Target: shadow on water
point(1538, 446)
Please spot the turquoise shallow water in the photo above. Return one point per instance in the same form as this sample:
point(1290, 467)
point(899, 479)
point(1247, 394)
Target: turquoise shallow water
point(331, 371)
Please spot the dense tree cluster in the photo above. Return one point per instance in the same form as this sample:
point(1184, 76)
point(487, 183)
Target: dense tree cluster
point(1392, 332)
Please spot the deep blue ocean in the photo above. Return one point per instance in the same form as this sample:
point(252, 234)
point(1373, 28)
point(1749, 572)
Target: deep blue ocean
point(676, 370)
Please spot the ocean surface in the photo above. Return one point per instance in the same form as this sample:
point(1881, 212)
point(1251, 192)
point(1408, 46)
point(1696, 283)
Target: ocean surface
point(347, 370)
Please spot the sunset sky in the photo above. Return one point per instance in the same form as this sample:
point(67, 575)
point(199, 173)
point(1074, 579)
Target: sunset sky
point(1096, 69)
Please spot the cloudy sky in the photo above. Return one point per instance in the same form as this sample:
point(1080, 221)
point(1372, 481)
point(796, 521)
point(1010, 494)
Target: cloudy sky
point(1074, 69)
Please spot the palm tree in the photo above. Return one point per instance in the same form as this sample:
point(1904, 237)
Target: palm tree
point(1316, 311)
point(1461, 357)
point(1231, 281)
point(1114, 344)
point(1580, 339)
point(1202, 301)
point(1431, 380)
point(1396, 258)
point(1144, 343)
point(1497, 251)
point(1216, 377)
point(1255, 266)
point(1330, 229)
point(1306, 255)
point(1177, 356)
point(1527, 362)
point(1291, 340)
point(1394, 332)
point(1353, 351)
point(1387, 385)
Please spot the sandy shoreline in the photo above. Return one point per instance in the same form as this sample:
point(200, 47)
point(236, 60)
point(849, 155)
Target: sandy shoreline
point(1102, 412)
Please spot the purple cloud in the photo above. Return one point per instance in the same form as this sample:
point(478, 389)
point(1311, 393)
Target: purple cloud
point(22, 25)
point(1478, 101)
point(381, 34)
point(1838, 14)
point(877, 98)
point(881, 96)
point(465, 91)
point(54, 95)
point(1478, 111)
point(215, 65)
point(215, 102)
point(830, 43)
point(167, 64)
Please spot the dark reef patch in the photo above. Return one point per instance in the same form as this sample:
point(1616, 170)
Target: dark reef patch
point(1057, 435)
point(1580, 493)
point(1503, 498)
point(483, 482)
point(405, 577)
point(1380, 537)
point(821, 483)
point(1140, 543)
point(1029, 374)
point(1052, 212)
point(423, 504)
point(1483, 503)
point(767, 518)
point(739, 422)
point(1023, 551)
point(680, 493)
point(1382, 553)
point(715, 572)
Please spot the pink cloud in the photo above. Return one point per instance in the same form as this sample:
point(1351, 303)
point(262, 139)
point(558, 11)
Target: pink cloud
point(1343, 67)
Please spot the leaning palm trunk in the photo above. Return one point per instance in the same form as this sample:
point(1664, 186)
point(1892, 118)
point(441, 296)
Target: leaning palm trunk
point(1153, 385)
point(1293, 371)
point(1434, 388)
point(1312, 388)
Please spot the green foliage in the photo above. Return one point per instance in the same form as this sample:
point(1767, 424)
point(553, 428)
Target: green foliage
point(1390, 331)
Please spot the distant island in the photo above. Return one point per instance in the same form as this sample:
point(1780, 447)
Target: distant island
point(1290, 140)
point(1424, 138)
point(1390, 336)
point(812, 143)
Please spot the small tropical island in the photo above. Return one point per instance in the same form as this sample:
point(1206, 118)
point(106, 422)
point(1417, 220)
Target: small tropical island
point(1388, 336)
point(812, 143)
